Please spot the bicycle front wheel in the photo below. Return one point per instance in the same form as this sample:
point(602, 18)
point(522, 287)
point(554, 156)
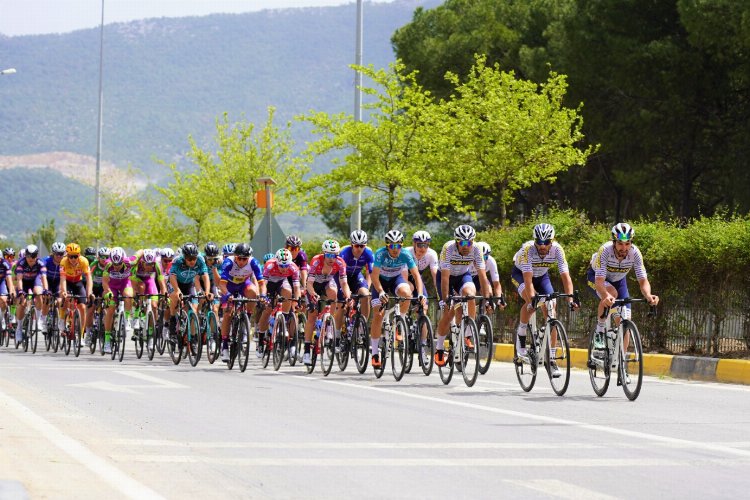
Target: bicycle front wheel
point(243, 341)
point(195, 340)
point(161, 340)
point(137, 334)
point(486, 345)
point(328, 350)
point(278, 345)
point(122, 339)
point(150, 335)
point(77, 333)
point(213, 337)
point(631, 360)
point(469, 351)
point(598, 365)
point(446, 371)
point(525, 365)
point(399, 347)
point(426, 344)
point(383, 355)
point(360, 343)
point(293, 339)
point(558, 357)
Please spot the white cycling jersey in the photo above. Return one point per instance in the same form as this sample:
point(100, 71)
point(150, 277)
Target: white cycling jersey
point(491, 268)
point(605, 263)
point(429, 259)
point(457, 264)
point(527, 259)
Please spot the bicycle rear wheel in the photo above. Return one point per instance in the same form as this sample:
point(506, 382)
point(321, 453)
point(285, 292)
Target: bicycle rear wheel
point(150, 335)
point(278, 344)
point(161, 341)
point(293, 348)
point(426, 342)
point(243, 341)
point(96, 328)
point(598, 365)
point(327, 350)
point(314, 349)
point(446, 371)
point(469, 351)
point(631, 360)
point(213, 337)
point(195, 339)
point(399, 347)
point(486, 345)
point(525, 365)
point(343, 349)
point(173, 342)
point(383, 355)
point(360, 343)
point(137, 334)
point(122, 338)
point(48, 335)
point(413, 344)
point(560, 357)
point(77, 333)
point(30, 327)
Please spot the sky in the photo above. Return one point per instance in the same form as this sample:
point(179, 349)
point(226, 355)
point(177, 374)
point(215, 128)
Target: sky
point(32, 17)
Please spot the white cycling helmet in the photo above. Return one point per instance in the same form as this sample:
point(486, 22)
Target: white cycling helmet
point(149, 257)
point(117, 255)
point(358, 237)
point(167, 253)
point(58, 247)
point(394, 236)
point(283, 257)
point(422, 237)
point(464, 232)
point(622, 232)
point(544, 231)
point(331, 246)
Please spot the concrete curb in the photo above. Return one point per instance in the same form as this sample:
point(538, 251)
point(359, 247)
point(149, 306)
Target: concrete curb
point(735, 371)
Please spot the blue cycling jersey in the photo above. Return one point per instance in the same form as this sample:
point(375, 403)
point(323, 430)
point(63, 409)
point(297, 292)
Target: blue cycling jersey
point(391, 267)
point(53, 270)
point(233, 273)
point(186, 274)
point(216, 265)
point(354, 265)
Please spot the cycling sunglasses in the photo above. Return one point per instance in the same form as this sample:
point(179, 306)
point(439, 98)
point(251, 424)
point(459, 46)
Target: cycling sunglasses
point(330, 255)
point(464, 243)
point(394, 246)
point(544, 242)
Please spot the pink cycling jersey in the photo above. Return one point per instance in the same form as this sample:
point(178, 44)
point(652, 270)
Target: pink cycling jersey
point(275, 273)
point(317, 265)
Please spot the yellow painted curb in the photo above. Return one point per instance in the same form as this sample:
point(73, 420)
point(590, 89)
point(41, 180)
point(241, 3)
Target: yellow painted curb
point(733, 370)
point(657, 364)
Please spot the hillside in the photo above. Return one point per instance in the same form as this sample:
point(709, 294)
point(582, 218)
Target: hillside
point(166, 78)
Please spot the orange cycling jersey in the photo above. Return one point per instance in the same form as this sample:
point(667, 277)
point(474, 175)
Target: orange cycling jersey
point(73, 269)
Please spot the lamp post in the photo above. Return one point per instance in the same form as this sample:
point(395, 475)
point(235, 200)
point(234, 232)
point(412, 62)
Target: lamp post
point(267, 182)
point(98, 193)
point(8, 71)
point(356, 220)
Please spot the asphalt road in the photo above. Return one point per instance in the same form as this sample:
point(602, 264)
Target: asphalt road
point(91, 427)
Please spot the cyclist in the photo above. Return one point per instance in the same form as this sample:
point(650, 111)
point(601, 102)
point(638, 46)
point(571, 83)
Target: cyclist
point(607, 275)
point(116, 282)
point(186, 273)
point(213, 263)
point(10, 256)
point(165, 262)
point(299, 257)
point(90, 254)
point(6, 284)
point(52, 263)
point(228, 250)
point(389, 263)
point(320, 282)
point(530, 275)
point(73, 271)
point(358, 259)
point(145, 274)
point(30, 274)
point(492, 273)
point(239, 276)
point(457, 258)
point(97, 289)
point(425, 257)
point(275, 273)
point(267, 256)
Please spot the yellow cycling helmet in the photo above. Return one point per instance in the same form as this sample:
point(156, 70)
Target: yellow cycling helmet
point(73, 249)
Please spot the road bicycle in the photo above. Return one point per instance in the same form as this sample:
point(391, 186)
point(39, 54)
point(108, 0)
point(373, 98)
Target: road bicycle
point(546, 345)
point(239, 332)
point(356, 342)
point(394, 340)
point(283, 334)
point(209, 327)
point(620, 350)
point(72, 334)
point(29, 324)
point(97, 326)
point(324, 338)
point(52, 337)
point(486, 344)
point(144, 325)
point(185, 339)
point(119, 335)
point(461, 351)
point(421, 337)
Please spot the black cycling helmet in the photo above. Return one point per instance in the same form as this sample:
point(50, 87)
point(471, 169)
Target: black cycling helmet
point(89, 252)
point(189, 250)
point(243, 250)
point(211, 250)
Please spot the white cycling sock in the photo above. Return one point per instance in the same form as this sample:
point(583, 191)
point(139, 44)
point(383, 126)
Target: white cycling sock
point(440, 343)
point(374, 346)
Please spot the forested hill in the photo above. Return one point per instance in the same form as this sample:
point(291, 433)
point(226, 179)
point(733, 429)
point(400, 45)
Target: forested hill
point(165, 79)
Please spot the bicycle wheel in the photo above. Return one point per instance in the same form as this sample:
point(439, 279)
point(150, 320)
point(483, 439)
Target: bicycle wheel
point(114, 338)
point(560, 356)
point(122, 338)
point(48, 335)
point(314, 350)
point(77, 335)
point(426, 346)
point(66, 335)
point(233, 344)
point(343, 348)
point(469, 351)
point(446, 371)
point(174, 341)
point(399, 347)
point(278, 344)
point(328, 349)
point(30, 327)
point(243, 341)
point(194, 345)
point(5, 340)
point(383, 354)
point(486, 344)
point(525, 365)
point(161, 340)
point(598, 365)
point(34, 336)
point(293, 339)
point(138, 335)
point(150, 335)
point(631, 360)
point(213, 337)
point(360, 343)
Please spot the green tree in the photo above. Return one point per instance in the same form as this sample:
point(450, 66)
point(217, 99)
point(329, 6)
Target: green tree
point(119, 224)
point(46, 233)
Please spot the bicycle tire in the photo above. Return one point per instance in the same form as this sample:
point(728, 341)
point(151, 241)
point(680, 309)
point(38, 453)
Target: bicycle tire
point(150, 335)
point(293, 333)
point(598, 367)
point(194, 346)
point(161, 341)
point(94, 331)
point(328, 347)
point(114, 337)
point(66, 336)
point(29, 329)
point(243, 338)
point(469, 353)
point(344, 348)
point(122, 340)
point(278, 342)
point(446, 371)
point(48, 335)
point(213, 337)
point(525, 371)
point(34, 337)
point(486, 343)
point(138, 334)
point(398, 346)
point(100, 333)
point(383, 355)
point(427, 350)
point(233, 344)
point(635, 351)
point(413, 344)
point(77, 333)
point(314, 348)
point(562, 357)
point(360, 343)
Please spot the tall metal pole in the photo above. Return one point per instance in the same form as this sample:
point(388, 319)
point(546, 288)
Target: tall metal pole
point(356, 221)
point(268, 216)
point(98, 193)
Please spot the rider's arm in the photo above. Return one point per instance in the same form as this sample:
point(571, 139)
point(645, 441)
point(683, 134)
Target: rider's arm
point(173, 281)
point(222, 286)
point(89, 284)
point(528, 280)
point(105, 283)
point(646, 291)
point(376, 280)
point(484, 283)
point(567, 284)
point(417, 279)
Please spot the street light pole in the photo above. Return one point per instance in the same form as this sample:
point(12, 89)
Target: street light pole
point(98, 193)
point(356, 221)
point(267, 182)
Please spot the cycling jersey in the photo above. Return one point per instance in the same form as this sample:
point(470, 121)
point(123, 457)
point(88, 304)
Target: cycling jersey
point(429, 259)
point(216, 265)
point(5, 269)
point(606, 264)
point(231, 272)
point(186, 274)
point(451, 260)
point(97, 273)
point(73, 269)
point(491, 268)
point(119, 278)
point(317, 266)
point(277, 274)
point(301, 261)
point(30, 271)
point(354, 265)
point(527, 259)
point(390, 267)
point(53, 270)
point(140, 272)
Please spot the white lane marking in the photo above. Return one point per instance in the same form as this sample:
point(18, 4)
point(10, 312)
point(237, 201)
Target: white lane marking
point(428, 461)
point(106, 472)
point(558, 489)
point(552, 420)
point(703, 385)
point(156, 383)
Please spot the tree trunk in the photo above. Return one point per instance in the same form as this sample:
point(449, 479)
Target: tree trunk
point(391, 209)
